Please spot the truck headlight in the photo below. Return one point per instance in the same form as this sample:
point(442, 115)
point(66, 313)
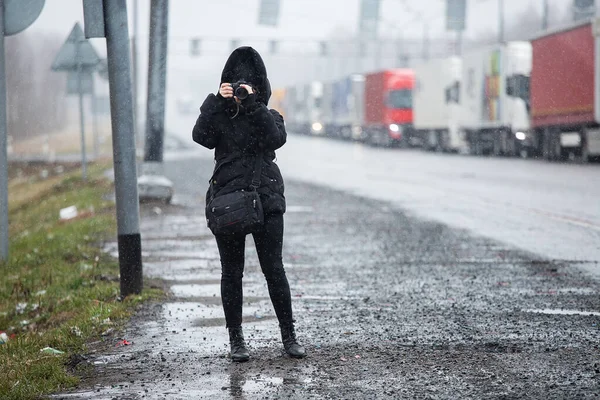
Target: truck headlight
point(520, 135)
point(317, 127)
point(394, 128)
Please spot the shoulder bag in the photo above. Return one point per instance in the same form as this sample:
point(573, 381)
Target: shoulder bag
point(239, 212)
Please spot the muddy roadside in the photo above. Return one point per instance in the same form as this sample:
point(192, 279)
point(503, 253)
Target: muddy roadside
point(388, 306)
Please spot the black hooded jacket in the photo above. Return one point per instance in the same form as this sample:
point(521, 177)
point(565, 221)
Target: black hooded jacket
point(239, 133)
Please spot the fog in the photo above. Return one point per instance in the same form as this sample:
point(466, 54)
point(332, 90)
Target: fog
point(408, 31)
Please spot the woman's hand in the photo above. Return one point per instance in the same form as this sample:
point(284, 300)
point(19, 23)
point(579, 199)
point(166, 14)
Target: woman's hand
point(248, 88)
point(226, 90)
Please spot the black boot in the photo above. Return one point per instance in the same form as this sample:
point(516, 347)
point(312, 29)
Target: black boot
point(239, 352)
point(291, 346)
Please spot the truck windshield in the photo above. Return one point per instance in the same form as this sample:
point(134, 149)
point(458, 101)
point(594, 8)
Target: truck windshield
point(400, 98)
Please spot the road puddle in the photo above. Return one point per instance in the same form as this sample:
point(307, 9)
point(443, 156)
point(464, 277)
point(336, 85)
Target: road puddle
point(240, 385)
point(182, 270)
point(193, 290)
point(191, 311)
point(195, 314)
point(193, 253)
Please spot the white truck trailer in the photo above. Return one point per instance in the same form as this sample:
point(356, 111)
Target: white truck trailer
point(349, 107)
point(437, 104)
point(313, 103)
point(492, 121)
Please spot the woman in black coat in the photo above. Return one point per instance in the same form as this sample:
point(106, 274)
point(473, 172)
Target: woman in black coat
point(240, 130)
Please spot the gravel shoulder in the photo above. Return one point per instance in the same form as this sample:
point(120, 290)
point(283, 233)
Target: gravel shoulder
point(388, 306)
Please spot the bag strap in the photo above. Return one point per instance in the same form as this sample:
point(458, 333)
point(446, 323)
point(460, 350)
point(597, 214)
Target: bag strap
point(257, 172)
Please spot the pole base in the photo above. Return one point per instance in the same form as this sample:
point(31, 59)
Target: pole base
point(130, 264)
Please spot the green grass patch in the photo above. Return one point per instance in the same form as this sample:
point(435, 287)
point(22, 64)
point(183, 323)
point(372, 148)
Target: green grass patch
point(58, 289)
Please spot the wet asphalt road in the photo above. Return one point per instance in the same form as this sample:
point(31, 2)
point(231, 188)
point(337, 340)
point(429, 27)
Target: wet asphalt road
point(547, 208)
point(388, 304)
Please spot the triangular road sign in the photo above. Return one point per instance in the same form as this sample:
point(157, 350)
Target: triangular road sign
point(76, 49)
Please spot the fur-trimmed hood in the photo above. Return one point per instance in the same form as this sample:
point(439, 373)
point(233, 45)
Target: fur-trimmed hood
point(245, 64)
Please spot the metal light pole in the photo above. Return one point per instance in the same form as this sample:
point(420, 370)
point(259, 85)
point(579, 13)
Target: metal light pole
point(360, 49)
point(379, 54)
point(545, 13)
point(597, 63)
point(501, 21)
point(399, 51)
point(157, 79)
point(3, 147)
point(121, 107)
point(134, 66)
point(426, 41)
point(153, 185)
point(15, 16)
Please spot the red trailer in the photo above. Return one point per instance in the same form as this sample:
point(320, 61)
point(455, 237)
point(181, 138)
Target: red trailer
point(388, 107)
point(563, 95)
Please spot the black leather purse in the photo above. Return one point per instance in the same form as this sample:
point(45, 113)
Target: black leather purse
point(239, 212)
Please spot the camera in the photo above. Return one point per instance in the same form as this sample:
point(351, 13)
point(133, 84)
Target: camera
point(239, 91)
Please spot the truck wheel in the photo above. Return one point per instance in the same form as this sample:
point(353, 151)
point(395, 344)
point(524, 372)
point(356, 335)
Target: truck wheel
point(478, 145)
point(472, 141)
point(546, 146)
point(585, 150)
point(436, 141)
point(345, 133)
point(511, 144)
point(367, 137)
point(444, 141)
point(559, 155)
point(430, 140)
point(551, 145)
point(497, 143)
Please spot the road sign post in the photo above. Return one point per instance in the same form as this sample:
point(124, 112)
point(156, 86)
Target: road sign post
point(3, 147)
point(81, 113)
point(78, 55)
point(15, 16)
point(95, 120)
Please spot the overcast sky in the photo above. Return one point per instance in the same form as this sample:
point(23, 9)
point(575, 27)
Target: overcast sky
point(299, 18)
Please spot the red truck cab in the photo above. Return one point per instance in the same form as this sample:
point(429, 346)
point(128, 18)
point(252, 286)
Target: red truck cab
point(389, 107)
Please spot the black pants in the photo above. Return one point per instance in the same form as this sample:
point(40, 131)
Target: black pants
point(269, 243)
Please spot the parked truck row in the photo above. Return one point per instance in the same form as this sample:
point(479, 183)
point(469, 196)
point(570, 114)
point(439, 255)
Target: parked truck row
point(521, 98)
